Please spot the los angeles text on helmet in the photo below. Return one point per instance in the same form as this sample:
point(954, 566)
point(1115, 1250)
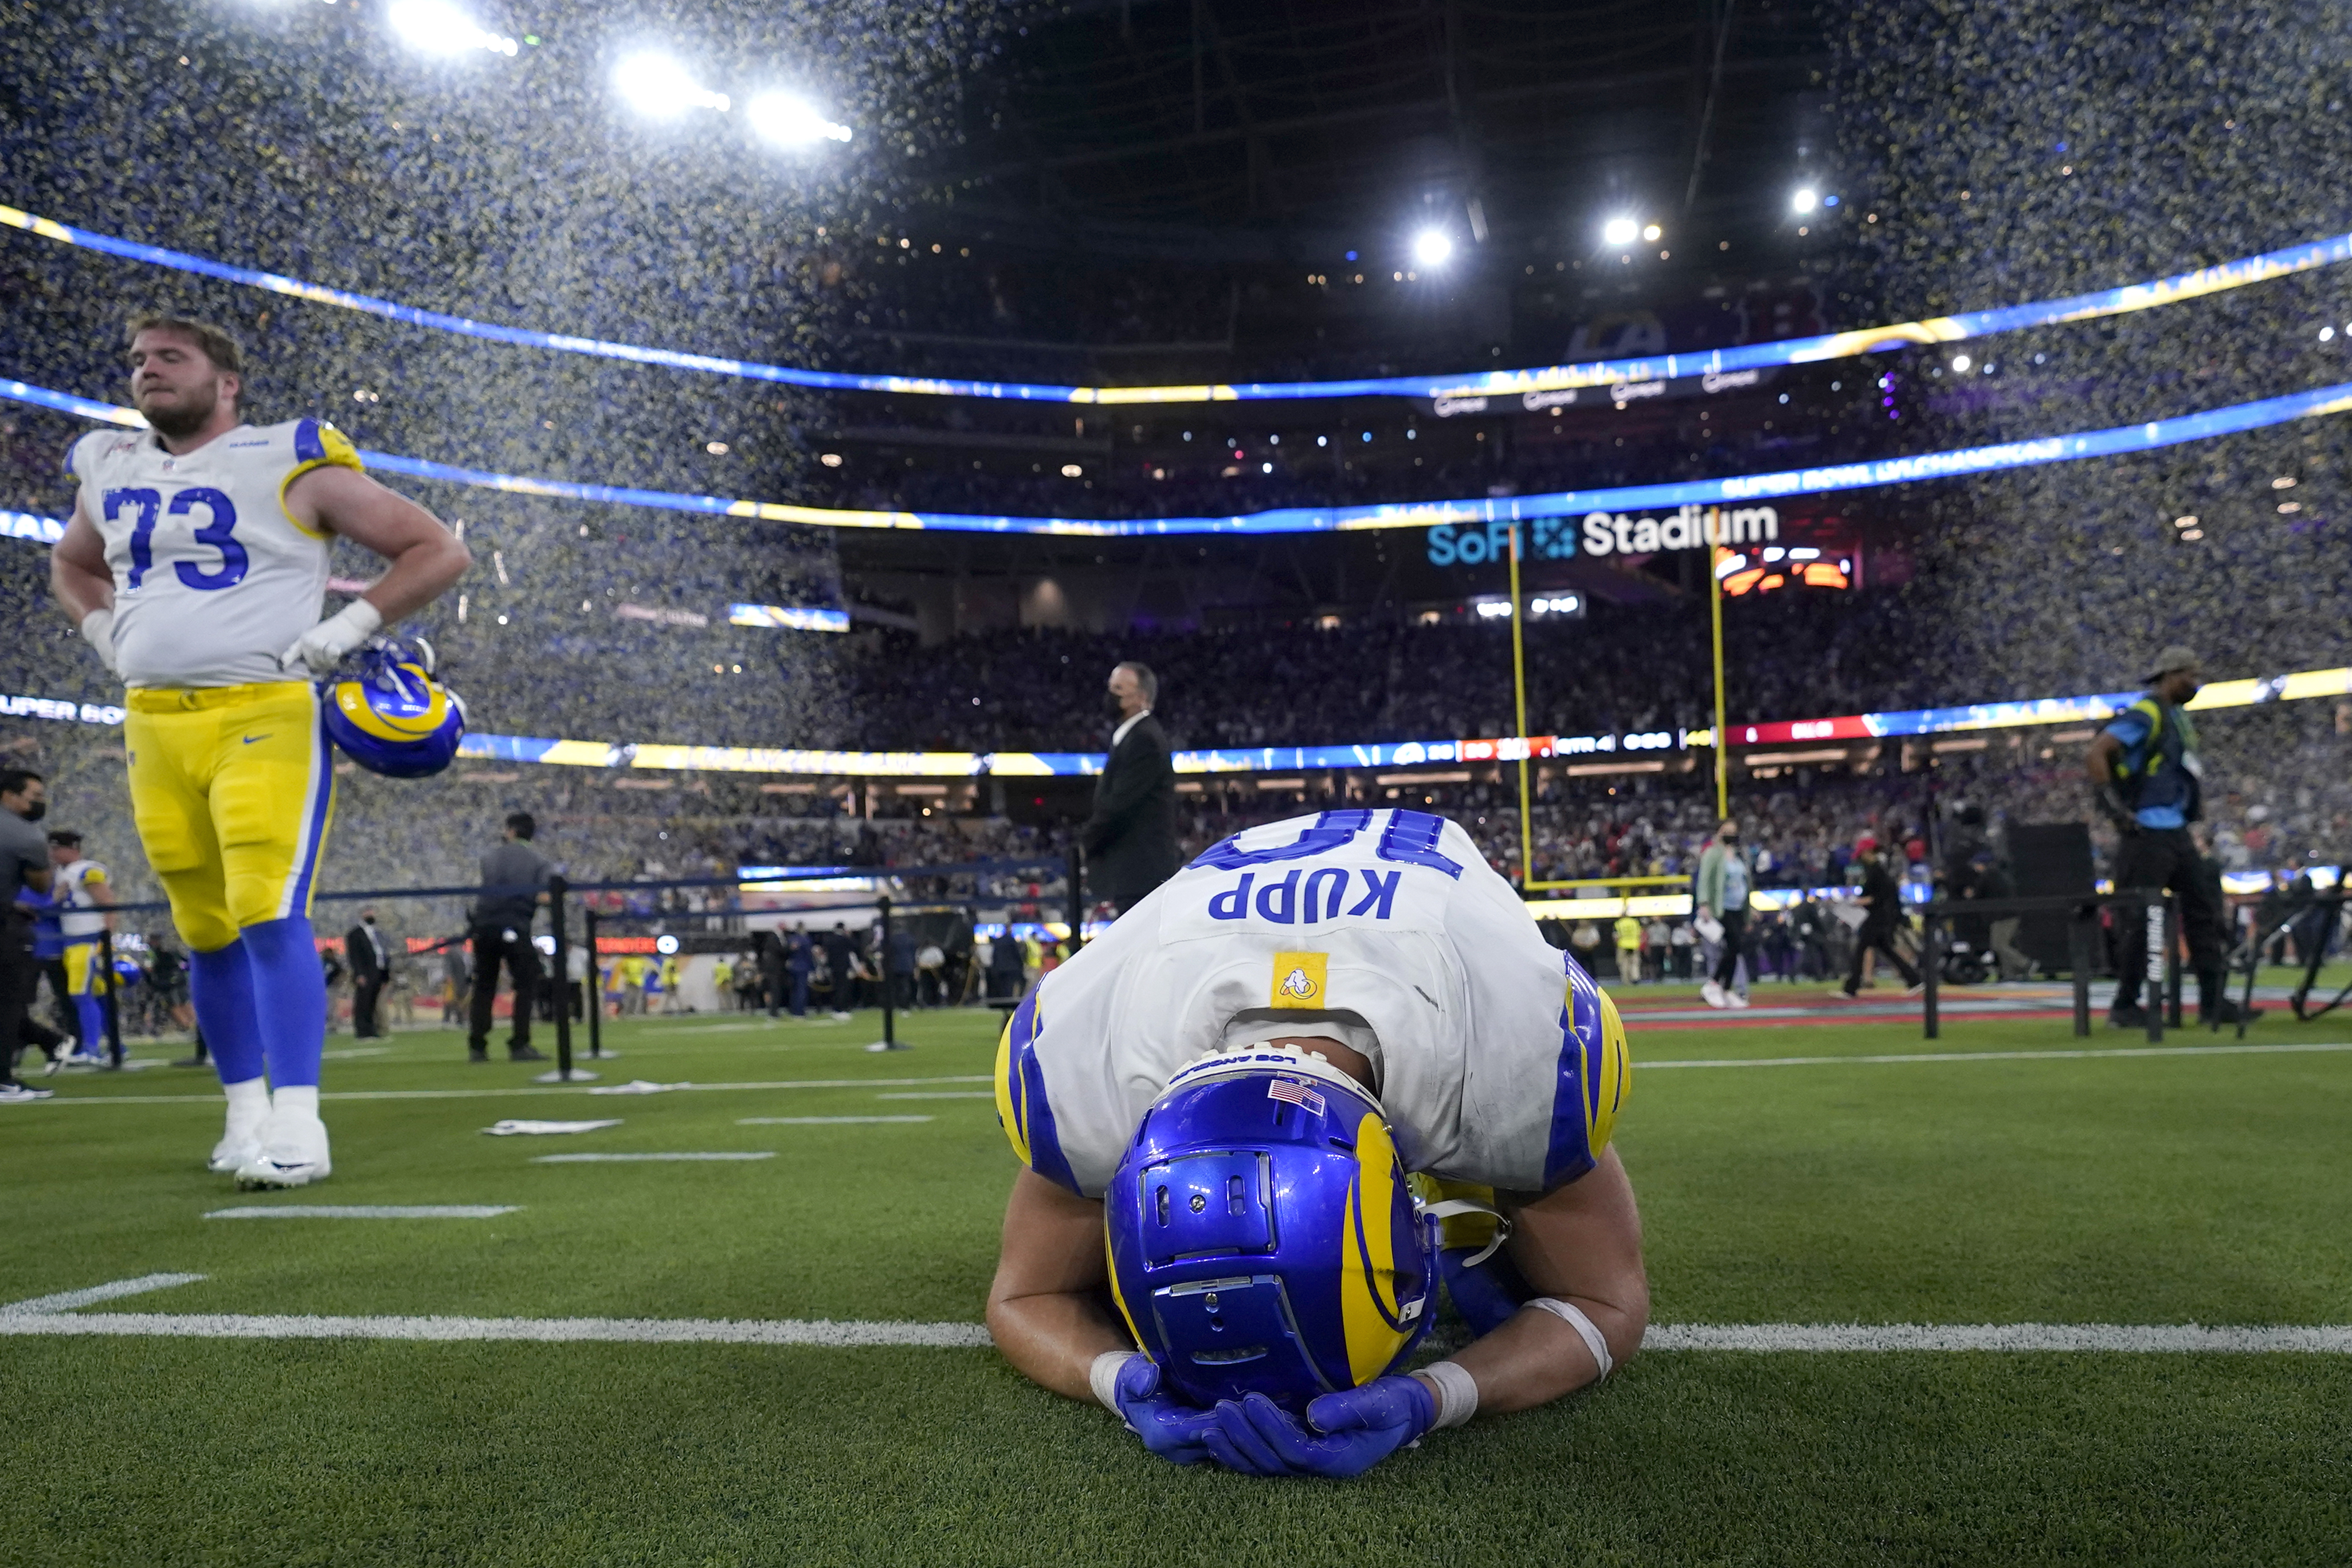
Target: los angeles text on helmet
point(1686, 528)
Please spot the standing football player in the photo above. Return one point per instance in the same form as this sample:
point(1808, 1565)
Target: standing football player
point(1328, 1062)
point(195, 565)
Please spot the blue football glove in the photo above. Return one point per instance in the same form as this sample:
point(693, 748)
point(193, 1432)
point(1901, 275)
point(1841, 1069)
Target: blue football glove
point(1169, 1427)
point(1344, 1435)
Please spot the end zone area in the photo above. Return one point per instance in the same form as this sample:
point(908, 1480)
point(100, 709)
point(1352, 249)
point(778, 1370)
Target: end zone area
point(1815, 1178)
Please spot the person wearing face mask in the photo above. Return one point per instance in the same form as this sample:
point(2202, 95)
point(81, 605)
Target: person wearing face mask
point(1724, 879)
point(24, 863)
point(1131, 839)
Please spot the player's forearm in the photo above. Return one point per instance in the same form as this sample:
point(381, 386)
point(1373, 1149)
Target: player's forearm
point(1053, 1339)
point(1535, 1358)
point(419, 574)
point(80, 589)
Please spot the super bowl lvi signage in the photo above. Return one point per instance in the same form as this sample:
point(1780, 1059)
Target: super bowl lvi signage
point(1604, 534)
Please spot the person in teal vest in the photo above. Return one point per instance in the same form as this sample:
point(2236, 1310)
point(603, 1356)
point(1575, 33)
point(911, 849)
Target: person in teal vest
point(2146, 780)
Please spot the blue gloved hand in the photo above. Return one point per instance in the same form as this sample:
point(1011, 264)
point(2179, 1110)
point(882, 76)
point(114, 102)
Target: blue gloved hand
point(1344, 1435)
point(1167, 1426)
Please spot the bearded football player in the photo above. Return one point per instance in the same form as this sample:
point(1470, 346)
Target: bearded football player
point(195, 565)
point(1327, 1074)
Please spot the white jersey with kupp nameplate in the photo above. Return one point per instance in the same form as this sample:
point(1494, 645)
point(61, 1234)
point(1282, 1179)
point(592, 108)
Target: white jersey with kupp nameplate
point(1383, 928)
point(213, 577)
point(84, 915)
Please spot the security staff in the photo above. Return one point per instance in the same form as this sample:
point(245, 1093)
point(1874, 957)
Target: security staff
point(514, 879)
point(2146, 780)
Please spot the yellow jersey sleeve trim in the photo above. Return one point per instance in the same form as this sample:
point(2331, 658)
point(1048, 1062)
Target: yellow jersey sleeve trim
point(316, 445)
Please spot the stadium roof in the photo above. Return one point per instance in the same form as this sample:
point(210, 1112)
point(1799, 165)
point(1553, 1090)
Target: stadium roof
point(1267, 129)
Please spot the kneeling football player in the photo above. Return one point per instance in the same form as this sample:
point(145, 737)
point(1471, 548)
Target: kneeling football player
point(1327, 1067)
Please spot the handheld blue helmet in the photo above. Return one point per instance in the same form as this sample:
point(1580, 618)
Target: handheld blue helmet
point(394, 718)
point(1262, 1236)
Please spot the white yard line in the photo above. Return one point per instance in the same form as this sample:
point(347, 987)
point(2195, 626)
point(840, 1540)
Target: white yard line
point(55, 1315)
point(628, 1331)
point(2282, 1047)
point(366, 1211)
point(630, 1159)
point(67, 1301)
point(964, 1094)
point(819, 1120)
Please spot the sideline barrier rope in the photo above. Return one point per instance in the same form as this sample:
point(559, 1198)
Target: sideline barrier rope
point(2132, 297)
point(2146, 437)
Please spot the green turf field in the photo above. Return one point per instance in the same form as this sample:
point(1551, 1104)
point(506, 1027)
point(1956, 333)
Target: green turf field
point(2129, 1190)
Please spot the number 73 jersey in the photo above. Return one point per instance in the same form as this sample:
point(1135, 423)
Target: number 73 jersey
point(213, 577)
point(1498, 1059)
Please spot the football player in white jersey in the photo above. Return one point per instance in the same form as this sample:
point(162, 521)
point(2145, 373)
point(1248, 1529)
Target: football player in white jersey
point(1383, 943)
point(86, 900)
point(195, 565)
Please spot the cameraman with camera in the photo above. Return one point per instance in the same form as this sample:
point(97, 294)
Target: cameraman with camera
point(2147, 782)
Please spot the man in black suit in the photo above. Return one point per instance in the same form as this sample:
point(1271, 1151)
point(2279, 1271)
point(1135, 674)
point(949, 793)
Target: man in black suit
point(1131, 839)
point(371, 964)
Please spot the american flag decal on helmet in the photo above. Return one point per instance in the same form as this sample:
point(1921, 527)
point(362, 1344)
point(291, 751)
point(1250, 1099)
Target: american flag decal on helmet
point(1297, 1093)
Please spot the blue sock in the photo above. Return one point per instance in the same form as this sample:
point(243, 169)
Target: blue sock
point(91, 1010)
point(290, 999)
point(220, 986)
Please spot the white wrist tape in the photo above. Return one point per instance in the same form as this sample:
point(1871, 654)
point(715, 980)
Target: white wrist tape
point(1103, 1377)
point(1571, 1314)
point(363, 617)
point(1457, 1394)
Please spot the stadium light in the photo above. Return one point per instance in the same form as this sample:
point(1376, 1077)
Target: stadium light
point(1961, 362)
point(1433, 248)
point(1806, 199)
point(790, 121)
point(438, 27)
point(1653, 233)
point(661, 89)
point(1620, 230)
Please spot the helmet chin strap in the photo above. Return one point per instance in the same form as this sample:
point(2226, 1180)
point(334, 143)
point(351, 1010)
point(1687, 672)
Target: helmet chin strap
point(1446, 1208)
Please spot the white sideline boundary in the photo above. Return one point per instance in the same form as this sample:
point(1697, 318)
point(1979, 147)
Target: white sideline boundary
point(55, 1315)
point(951, 1094)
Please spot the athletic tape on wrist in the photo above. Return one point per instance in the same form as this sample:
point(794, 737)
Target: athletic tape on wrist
point(1457, 1394)
point(1102, 1376)
point(1569, 1313)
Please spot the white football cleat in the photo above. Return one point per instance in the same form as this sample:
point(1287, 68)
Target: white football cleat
point(1734, 999)
point(1712, 994)
point(291, 1153)
point(232, 1153)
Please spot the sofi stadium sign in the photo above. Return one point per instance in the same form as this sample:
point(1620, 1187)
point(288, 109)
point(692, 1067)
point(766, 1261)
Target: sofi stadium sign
point(1686, 527)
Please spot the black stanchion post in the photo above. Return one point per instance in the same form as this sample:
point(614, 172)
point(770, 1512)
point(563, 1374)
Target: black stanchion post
point(105, 980)
point(1930, 964)
point(2157, 928)
point(561, 980)
point(889, 1041)
point(590, 996)
point(2079, 933)
point(2172, 966)
point(1078, 861)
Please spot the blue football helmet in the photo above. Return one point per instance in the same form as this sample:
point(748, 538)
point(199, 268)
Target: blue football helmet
point(1262, 1236)
point(394, 718)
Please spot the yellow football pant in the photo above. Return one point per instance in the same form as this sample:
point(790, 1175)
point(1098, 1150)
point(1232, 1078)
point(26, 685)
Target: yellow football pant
point(84, 976)
point(232, 787)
